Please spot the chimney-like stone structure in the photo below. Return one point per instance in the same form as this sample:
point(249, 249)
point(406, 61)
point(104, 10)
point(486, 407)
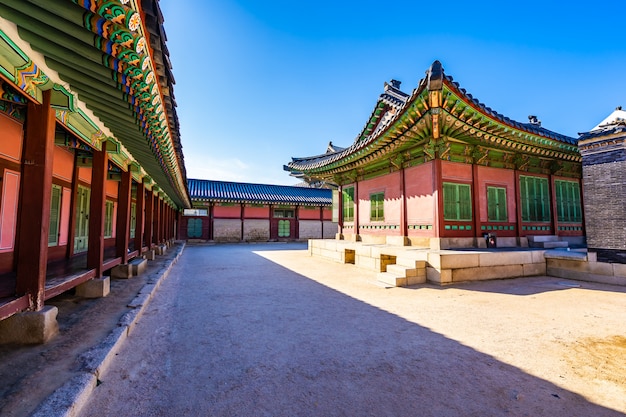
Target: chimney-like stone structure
point(603, 151)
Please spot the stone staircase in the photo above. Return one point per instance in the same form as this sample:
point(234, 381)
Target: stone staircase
point(546, 242)
point(406, 271)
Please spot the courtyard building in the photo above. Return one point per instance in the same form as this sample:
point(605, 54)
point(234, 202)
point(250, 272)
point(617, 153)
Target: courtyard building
point(244, 212)
point(437, 168)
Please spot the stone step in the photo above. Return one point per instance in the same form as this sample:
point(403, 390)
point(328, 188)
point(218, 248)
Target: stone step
point(410, 262)
point(542, 238)
point(391, 279)
point(549, 244)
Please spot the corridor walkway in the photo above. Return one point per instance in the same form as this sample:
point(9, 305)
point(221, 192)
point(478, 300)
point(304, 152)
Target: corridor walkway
point(265, 330)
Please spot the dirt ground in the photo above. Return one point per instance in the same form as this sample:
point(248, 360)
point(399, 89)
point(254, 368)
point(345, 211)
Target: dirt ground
point(280, 333)
point(29, 374)
point(265, 330)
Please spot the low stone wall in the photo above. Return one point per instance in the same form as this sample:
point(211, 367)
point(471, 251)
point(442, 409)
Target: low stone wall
point(584, 267)
point(256, 230)
point(227, 230)
point(442, 266)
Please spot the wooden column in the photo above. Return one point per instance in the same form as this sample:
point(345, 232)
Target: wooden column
point(140, 199)
point(356, 210)
point(97, 209)
point(404, 226)
point(72, 232)
point(157, 220)
point(322, 221)
point(122, 230)
point(476, 190)
point(340, 211)
point(34, 202)
point(149, 218)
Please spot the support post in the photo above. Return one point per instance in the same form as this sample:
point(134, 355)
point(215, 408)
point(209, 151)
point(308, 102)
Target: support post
point(34, 202)
point(149, 218)
point(140, 199)
point(95, 248)
point(122, 231)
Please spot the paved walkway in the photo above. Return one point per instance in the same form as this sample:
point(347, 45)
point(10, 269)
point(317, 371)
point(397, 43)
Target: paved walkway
point(264, 330)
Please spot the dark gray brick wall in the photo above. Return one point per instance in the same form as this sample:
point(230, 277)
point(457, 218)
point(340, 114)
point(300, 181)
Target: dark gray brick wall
point(604, 188)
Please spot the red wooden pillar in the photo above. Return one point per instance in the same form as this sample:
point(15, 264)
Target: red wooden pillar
point(140, 199)
point(95, 248)
point(404, 224)
point(157, 220)
point(149, 218)
point(34, 202)
point(170, 222)
point(356, 210)
point(122, 231)
point(340, 211)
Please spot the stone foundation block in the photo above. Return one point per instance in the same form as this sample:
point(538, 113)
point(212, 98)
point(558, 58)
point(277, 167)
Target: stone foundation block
point(138, 266)
point(534, 269)
point(150, 255)
point(161, 249)
point(122, 271)
point(94, 288)
point(31, 327)
point(485, 273)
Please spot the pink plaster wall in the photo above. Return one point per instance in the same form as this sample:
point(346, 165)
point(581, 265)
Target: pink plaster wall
point(256, 212)
point(11, 135)
point(421, 194)
point(63, 164)
point(228, 212)
point(309, 214)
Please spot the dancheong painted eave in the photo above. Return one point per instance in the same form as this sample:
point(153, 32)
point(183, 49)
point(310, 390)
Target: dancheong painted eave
point(236, 192)
point(438, 112)
point(111, 59)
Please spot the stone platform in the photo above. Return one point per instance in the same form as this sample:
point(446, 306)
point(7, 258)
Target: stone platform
point(407, 265)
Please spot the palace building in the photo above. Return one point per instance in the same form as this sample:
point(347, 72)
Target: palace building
point(438, 169)
point(91, 165)
point(243, 212)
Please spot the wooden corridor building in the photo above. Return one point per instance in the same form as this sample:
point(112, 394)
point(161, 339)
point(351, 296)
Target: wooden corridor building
point(91, 164)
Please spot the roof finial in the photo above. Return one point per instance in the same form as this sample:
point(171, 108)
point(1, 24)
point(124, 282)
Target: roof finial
point(534, 120)
point(618, 108)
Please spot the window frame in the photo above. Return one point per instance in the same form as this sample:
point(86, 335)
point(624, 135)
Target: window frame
point(535, 206)
point(377, 206)
point(454, 208)
point(55, 215)
point(568, 201)
point(497, 210)
point(108, 219)
point(347, 196)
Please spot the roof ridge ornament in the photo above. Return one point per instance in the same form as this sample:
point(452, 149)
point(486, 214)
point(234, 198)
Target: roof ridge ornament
point(434, 76)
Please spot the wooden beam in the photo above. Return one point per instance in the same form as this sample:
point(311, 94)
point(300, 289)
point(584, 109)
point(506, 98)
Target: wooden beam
point(34, 202)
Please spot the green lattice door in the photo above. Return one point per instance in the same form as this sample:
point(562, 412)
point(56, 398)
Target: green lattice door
point(194, 228)
point(81, 234)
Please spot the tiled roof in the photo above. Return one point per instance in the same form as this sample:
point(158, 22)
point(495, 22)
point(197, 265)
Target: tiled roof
point(207, 190)
point(435, 79)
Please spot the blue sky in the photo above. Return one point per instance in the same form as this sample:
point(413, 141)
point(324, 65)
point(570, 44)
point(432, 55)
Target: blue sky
point(258, 82)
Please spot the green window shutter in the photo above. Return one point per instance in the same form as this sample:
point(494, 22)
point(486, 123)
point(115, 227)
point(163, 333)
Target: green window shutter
point(568, 201)
point(108, 219)
point(535, 199)
point(55, 211)
point(496, 204)
point(348, 204)
point(457, 201)
point(465, 202)
point(377, 207)
point(133, 219)
point(449, 201)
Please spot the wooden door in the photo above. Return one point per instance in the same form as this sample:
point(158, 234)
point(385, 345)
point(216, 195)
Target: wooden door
point(83, 194)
